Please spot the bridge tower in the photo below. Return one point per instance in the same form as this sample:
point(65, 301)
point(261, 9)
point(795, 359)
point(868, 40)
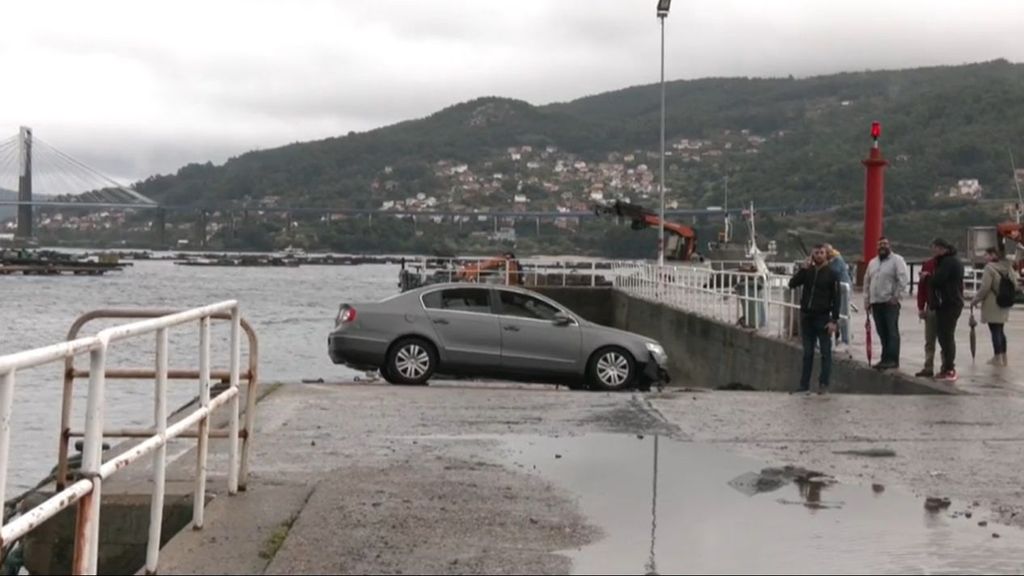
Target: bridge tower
point(24, 228)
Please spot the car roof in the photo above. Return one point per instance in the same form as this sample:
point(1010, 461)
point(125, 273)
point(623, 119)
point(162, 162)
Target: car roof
point(483, 285)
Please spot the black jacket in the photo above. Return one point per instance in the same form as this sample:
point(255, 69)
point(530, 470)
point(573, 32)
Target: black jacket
point(946, 286)
point(820, 290)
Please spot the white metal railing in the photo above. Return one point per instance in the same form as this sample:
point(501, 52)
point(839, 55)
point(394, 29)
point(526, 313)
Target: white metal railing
point(760, 301)
point(527, 271)
point(972, 282)
point(87, 491)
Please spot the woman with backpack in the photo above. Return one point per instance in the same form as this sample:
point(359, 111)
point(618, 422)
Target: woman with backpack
point(996, 295)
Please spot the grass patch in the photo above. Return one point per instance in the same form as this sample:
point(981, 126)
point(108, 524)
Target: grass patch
point(265, 390)
point(276, 539)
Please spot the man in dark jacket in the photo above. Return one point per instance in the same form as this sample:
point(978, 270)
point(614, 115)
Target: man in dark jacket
point(819, 314)
point(931, 330)
point(946, 298)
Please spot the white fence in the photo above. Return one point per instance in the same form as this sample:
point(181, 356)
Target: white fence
point(972, 282)
point(501, 270)
point(762, 302)
point(86, 492)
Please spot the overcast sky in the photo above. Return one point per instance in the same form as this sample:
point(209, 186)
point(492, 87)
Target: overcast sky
point(140, 87)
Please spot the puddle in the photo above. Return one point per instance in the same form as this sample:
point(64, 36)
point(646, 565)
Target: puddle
point(672, 507)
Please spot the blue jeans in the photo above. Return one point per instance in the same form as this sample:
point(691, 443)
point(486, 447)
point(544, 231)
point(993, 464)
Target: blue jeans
point(843, 334)
point(814, 329)
point(887, 324)
point(998, 338)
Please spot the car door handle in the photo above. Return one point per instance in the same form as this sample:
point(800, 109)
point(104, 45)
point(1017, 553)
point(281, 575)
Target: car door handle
point(512, 328)
point(441, 321)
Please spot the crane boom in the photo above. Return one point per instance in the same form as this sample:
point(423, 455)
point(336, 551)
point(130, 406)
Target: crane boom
point(680, 245)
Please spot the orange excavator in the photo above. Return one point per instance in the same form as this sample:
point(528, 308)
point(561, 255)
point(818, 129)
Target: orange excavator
point(505, 266)
point(680, 239)
point(1013, 232)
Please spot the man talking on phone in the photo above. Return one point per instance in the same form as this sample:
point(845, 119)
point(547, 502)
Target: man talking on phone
point(819, 314)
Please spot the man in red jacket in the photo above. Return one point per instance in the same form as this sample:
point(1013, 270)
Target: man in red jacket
point(931, 322)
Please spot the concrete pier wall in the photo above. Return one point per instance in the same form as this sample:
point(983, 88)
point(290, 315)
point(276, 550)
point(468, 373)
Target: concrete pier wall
point(704, 353)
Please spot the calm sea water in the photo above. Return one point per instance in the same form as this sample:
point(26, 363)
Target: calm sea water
point(291, 309)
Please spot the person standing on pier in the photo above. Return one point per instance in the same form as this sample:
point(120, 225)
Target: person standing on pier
point(842, 271)
point(996, 296)
point(931, 330)
point(819, 314)
point(885, 283)
point(946, 297)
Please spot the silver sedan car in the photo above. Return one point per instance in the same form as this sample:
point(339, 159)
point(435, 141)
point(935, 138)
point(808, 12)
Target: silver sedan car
point(479, 330)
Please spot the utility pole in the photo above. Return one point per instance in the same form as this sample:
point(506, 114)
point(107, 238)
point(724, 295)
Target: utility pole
point(663, 6)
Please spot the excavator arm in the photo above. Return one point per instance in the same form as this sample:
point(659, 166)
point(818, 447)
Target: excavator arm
point(1013, 232)
point(507, 265)
point(680, 244)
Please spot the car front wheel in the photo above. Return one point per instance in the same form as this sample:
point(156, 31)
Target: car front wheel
point(611, 369)
point(411, 361)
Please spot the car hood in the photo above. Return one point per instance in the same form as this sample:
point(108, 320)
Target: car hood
point(588, 325)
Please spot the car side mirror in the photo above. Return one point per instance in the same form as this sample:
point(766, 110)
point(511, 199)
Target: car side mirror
point(562, 319)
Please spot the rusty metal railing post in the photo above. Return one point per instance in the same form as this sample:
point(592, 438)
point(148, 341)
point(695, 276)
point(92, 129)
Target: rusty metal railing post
point(156, 510)
point(203, 442)
point(87, 525)
point(65, 424)
point(250, 406)
point(233, 428)
point(6, 404)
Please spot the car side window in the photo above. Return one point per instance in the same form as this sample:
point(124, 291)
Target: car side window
point(524, 306)
point(459, 300)
point(432, 299)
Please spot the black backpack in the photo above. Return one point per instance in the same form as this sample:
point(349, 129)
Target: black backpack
point(1007, 292)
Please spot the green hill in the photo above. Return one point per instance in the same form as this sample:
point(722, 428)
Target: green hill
point(780, 141)
point(939, 125)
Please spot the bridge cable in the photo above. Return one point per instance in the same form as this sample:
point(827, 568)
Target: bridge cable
point(9, 165)
point(48, 177)
point(55, 167)
point(113, 183)
point(53, 171)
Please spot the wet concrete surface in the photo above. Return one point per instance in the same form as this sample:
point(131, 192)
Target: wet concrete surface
point(465, 478)
point(965, 447)
point(666, 506)
point(977, 376)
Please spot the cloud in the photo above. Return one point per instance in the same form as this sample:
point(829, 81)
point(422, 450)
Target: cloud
point(136, 88)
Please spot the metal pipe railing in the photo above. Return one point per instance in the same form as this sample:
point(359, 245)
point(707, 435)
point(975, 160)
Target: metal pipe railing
point(532, 272)
point(86, 493)
point(761, 301)
point(71, 373)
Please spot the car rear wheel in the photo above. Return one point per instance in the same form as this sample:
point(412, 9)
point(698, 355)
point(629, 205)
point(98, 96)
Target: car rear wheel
point(611, 368)
point(411, 361)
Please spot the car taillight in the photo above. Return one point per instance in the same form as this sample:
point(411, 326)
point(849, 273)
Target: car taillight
point(346, 314)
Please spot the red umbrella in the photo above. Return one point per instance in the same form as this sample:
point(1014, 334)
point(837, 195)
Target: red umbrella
point(867, 337)
point(974, 339)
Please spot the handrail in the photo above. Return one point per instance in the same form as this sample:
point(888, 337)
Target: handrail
point(531, 272)
point(70, 373)
point(761, 301)
point(87, 491)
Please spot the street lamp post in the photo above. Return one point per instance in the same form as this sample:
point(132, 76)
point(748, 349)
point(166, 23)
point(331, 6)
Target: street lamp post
point(663, 6)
